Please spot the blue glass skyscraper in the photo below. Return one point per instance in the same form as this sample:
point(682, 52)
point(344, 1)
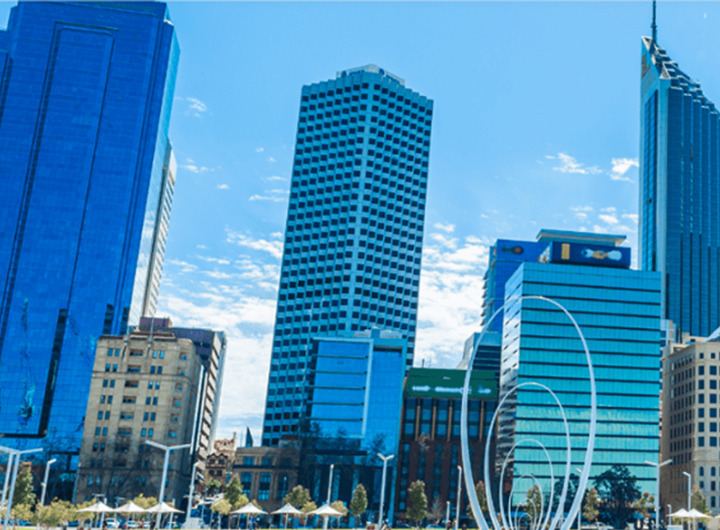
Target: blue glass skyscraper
point(85, 97)
point(618, 311)
point(680, 192)
point(353, 240)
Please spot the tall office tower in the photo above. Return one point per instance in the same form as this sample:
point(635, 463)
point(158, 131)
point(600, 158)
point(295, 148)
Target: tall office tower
point(618, 311)
point(86, 91)
point(679, 201)
point(354, 232)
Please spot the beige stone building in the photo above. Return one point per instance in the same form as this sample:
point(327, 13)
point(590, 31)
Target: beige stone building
point(690, 420)
point(148, 385)
point(267, 474)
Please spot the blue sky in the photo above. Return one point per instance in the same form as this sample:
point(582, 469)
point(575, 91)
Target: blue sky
point(536, 125)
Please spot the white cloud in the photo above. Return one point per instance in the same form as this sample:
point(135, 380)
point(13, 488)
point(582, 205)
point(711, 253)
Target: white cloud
point(451, 290)
point(608, 218)
point(608, 209)
point(196, 107)
point(620, 166)
point(259, 150)
point(223, 187)
point(632, 216)
point(271, 160)
point(569, 164)
point(257, 197)
point(446, 227)
point(272, 247)
point(581, 216)
point(274, 178)
point(582, 208)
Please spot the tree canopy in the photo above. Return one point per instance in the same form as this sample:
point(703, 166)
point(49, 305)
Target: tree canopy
point(359, 502)
point(417, 502)
point(618, 491)
point(298, 497)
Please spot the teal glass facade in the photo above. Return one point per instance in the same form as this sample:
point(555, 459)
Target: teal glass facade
point(85, 97)
point(618, 311)
point(353, 239)
point(680, 192)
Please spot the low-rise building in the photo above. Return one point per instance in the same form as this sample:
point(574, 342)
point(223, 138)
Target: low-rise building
point(430, 437)
point(149, 385)
point(691, 422)
point(267, 474)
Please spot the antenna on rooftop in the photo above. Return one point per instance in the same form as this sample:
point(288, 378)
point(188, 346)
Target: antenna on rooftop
point(653, 26)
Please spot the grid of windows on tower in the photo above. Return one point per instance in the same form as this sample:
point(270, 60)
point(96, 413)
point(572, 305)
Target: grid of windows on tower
point(354, 232)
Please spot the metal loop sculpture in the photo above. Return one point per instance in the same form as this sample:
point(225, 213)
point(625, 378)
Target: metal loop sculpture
point(540, 520)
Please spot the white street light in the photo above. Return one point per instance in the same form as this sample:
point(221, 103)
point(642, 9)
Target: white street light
point(457, 502)
point(8, 472)
point(167, 449)
point(580, 510)
point(16, 468)
point(191, 493)
point(657, 488)
point(44, 485)
point(385, 460)
point(669, 506)
point(689, 476)
point(330, 479)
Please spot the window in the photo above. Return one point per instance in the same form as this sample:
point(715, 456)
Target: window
point(248, 461)
point(105, 382)
point(114, 367)
point(246, 480)
point(110, 399)
point(150, 433)
point(159, 369)
point(143, 432)
point(152, 416)
point(128, 399)
point(152, 369)
point(162, 354)
point(267, 462)
point(102, 399)
point(264, 489)
point(133, 369)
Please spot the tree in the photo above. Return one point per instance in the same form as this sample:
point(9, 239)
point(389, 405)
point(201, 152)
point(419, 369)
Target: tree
point(298, 497)
point(618, 490)
point(590, 511)
point(534, 503)
point(24, 487)
point(56, 514)
point(482, 498)
point(145, 502)
point(85, 516)
point(645, 504)
point(437, 512)
point(22, 512)
point(359, 502)
point(698, 501)
point(234, 494)
point(212, 487)
point(417, 502)
point(222, 506)
point(573, 484)
point(339, 506)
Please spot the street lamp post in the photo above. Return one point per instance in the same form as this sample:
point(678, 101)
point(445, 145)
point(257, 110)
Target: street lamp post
point(330, 479)
point(689, 476)
point(44, 484)
point(669, 507)
point(447, 514)
point(579, 510)
point(191, 493)
point(457, 502)
point(167, 449)
point(8, 473)
point(16, 468)
point(385, 460)
point(657, 488)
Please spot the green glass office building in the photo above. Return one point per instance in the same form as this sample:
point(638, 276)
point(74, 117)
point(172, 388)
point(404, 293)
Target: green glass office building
point(618, 311)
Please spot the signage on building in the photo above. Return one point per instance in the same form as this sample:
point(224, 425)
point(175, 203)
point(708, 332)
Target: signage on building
point(438, 383)
point(586, 254)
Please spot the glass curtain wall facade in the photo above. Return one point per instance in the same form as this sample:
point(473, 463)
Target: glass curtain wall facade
point(87, 169)
point(680, 192)
point(353, 240)
point(618, 311)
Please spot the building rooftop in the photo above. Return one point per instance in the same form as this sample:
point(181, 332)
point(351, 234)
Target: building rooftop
point(668, 69)
point(568, 236)
point(373, 69)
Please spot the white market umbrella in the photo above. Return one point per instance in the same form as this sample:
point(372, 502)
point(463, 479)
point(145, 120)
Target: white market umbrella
point(248, 509)
point(162, 508)
point(130, 507)
point(98, 507)
point(287, 511)
point(682, 512)
point(326, 510)
point(695, 514)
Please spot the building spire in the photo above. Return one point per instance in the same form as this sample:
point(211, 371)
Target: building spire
point(653, 26)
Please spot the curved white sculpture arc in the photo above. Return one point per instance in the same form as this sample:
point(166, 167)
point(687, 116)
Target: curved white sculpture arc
point(584, 475)
point(533, 520)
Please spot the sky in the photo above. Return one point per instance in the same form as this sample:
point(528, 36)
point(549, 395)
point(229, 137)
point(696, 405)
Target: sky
point(535, 125)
